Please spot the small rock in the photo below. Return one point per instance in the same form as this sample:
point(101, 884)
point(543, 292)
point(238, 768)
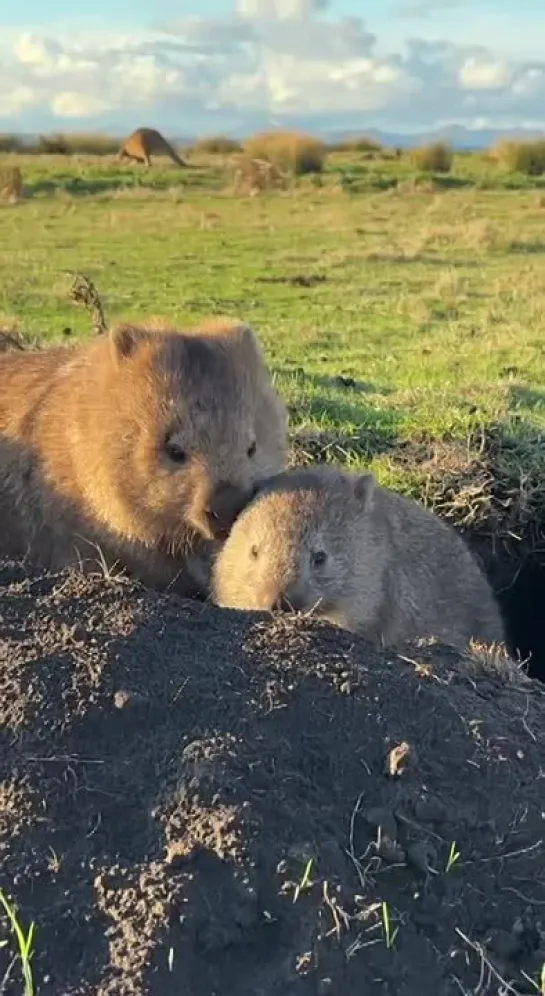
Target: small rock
point(324, 987)
point(503, 944)
point(422, 856)
point(398, 759)
point(383, 818)
point(125, 699)
point(390, 851)
point(429, 811)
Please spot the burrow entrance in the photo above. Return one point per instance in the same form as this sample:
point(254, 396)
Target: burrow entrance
point(519, 584)
point(478, 481)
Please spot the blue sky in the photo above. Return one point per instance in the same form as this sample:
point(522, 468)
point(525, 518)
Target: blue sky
point(228, 64)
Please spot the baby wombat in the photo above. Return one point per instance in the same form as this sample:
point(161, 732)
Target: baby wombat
point(363, 557)
point(138, 448)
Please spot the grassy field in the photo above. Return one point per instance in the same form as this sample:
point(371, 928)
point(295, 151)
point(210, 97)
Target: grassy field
point(404, 323)
point(404, 319)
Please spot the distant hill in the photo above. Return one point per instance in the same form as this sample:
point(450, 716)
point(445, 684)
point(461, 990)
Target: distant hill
point(327, 128)
point(457, 136)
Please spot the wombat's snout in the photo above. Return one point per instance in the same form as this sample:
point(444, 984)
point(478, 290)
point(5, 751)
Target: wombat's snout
point(225, 504)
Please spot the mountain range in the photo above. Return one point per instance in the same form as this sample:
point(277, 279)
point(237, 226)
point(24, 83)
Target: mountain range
point(328, 129)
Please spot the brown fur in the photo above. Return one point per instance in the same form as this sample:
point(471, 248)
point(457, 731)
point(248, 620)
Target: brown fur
point(393, 570)
point(83, 453)
point(145, 141)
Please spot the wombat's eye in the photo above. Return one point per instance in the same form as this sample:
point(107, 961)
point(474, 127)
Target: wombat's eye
point(252, 448)
point(174, 451)
point(318, 558)
point(254, 552)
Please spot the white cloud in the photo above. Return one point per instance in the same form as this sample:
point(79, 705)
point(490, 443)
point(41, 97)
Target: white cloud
point(70, 104)
point(18, 99)
point(424, 8)
point(281, 10)
point(270, 60)
point(483, 74)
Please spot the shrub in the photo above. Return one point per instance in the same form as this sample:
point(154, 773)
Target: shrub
point(11, 143)
point(292, 152)
point(251, 176)
point(11, 184)
point(433, 158)
point(359, 143)
point(521, 157)
point(52, 145)
point(76, 144)
point(217, 145)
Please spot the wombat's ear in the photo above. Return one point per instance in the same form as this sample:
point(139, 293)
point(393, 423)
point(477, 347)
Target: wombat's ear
point(364, 485)
point(245, 338)
point(125, 340)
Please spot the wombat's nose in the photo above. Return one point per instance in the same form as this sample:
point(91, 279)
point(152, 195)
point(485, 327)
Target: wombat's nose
point(225, 504)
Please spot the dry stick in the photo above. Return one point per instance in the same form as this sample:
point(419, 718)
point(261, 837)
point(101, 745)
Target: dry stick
point(83, 291)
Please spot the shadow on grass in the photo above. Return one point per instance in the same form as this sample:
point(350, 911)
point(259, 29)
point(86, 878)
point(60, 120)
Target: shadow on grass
point(523, 248)
point(88, 186)
point(335, 382)
point(529, 397)
point(333, 419)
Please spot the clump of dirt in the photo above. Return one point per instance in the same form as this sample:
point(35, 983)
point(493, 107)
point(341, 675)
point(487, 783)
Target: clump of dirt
point(200, 801)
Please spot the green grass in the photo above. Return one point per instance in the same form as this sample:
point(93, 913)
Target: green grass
point(433, 304)
point(23, 946)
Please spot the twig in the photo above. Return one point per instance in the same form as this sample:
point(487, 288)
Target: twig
point(479, 949)
point(84, 292)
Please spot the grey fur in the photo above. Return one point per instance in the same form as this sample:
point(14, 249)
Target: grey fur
point(395, 571)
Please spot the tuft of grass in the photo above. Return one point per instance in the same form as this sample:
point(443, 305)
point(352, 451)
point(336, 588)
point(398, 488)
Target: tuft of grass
point(251, 176)
point(357, 143)
point(436, 157)
point(292, 152)
point(217, 145)
point(305, 883)
point(24, 943)
point(59, 144)
point(521, 157)
point(11, 184)
point(388, 934)
point(453, 857)
point(11, 143)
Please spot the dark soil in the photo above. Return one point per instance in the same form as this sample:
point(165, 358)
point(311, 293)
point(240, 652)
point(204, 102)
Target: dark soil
point(200, 802)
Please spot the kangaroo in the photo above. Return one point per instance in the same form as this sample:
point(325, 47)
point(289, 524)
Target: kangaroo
point(145, 141)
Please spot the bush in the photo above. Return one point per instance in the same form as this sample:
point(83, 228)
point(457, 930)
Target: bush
point(11, 184)
point(251, 176)
point(11, 143)
point(521, 157)
point(433, 158)
point(52, 145)
point(359, 143)
point(292, 152)
point(76, 144)
point(217, 145)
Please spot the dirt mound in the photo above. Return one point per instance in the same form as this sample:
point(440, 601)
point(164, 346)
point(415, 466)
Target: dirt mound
point(201, 802)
